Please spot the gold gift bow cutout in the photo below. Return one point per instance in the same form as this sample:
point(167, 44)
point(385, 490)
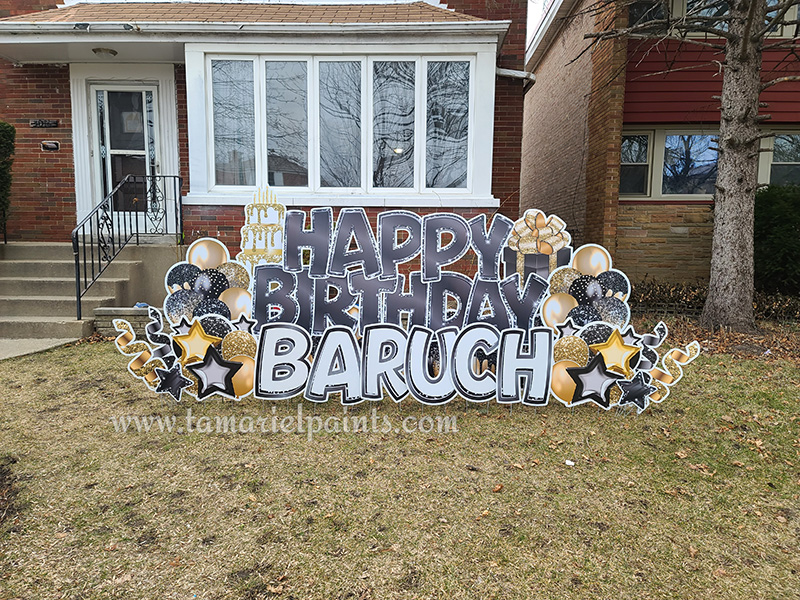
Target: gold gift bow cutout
point(141, 366)
point(535, 233)
point(673, 361)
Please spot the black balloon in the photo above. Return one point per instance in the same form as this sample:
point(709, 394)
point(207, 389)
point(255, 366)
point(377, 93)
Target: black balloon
point(216, 325)
point(211, 283)
point(181, 304)
point(583, 315)
point(180, 274)
point(586, 289)
point(614, 281)
point(596, 333)
point(212, 306)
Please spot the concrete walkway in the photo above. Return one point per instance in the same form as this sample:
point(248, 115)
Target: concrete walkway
point(11, 347)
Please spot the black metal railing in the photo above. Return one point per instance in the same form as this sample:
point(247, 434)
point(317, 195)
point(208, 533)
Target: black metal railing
point(140, 205)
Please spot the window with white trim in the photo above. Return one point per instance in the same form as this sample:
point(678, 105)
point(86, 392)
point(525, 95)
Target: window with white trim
point(353, 124)
point(785, 167)
point(679, 164)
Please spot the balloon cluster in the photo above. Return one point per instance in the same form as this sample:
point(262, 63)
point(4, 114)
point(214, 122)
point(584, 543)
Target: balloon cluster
point(209, 305)
point(587, 291)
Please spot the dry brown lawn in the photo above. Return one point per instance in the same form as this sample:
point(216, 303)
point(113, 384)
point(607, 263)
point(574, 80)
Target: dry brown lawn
point(696, 498)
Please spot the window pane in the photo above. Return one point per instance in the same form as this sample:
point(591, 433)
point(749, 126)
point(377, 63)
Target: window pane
point(690, 165)
point(287, 123)
point(644, 11)
point(393, 129)
point(340, 124)
point(447, 125)
point(234, 122)
point(786, 149)
point(786, 174)
point(126, 120)
point(633, 179)
point(634, 148)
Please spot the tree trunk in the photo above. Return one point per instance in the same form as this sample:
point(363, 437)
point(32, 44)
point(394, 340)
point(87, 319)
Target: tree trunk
point(730, 290)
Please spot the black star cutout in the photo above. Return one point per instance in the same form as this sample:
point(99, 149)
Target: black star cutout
point(593, 382)
point(567, 328)
point(637, 391)
point(244, 324)
point(172, 382)
point(214, 374)
point(631, 338)
point(183, 327)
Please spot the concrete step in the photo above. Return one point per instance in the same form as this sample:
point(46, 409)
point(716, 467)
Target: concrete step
point(52, 268)
point(59, 286)
point(36, 250)
point(53, 306)
point(44, 327)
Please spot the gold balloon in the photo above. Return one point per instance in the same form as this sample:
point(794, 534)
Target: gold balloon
point(556, 308)
point(562, 384)
point(243, 380)
point(236, 274)
point(207, 253)
point(567, 348)
point(591, 259)
point(562, 278)
point(238, 343)
point(238, 300)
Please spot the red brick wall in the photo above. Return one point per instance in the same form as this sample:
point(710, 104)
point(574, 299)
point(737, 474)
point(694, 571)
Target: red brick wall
point(43, 188)
point(509, 98)
point(183, 127)
point(553, 176)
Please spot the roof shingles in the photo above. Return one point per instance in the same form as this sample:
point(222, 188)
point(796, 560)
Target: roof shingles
point(196, 12)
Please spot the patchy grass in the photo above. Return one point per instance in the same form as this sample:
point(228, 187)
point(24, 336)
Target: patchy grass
point(696, 498)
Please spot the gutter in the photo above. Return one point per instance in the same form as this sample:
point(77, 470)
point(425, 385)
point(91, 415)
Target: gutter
point(499, 28)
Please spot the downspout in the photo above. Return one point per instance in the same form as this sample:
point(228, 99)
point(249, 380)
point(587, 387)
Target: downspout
point(528, 78)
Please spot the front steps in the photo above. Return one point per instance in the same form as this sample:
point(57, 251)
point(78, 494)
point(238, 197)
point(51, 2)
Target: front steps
point(37, 291)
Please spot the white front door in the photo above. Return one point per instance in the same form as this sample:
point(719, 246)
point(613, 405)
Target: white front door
point(126, 141)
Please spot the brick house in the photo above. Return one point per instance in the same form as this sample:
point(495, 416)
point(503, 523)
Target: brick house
point(618, 140)
point(383, 103)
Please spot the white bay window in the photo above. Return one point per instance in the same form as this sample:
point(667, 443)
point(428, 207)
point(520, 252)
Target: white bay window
point(387, 126)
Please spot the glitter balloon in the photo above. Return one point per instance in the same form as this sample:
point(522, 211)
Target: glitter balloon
point(615, 282)
point(583, 315)
point(613, 310)
point(237, 275)
point(212, 306)
point(238, 343)
point(586, 289)
point(180, 276)
point(211, 283)
point(596, 333)
point(215, 325)
point(571, 348)
point(181, 304)
point(562, 278)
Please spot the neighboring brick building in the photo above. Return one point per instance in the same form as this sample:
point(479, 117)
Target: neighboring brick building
point(179, 88)
point(606, 130)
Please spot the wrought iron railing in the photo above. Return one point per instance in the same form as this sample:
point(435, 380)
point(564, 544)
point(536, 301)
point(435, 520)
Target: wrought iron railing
point(140, 205)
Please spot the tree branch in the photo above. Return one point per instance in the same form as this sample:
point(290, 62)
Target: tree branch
point(769, 84)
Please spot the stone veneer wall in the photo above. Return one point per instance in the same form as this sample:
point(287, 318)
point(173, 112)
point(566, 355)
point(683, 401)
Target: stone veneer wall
point(664, 242)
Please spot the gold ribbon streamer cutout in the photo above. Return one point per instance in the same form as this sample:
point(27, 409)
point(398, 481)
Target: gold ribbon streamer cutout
point(673, 362)
point(142, 366)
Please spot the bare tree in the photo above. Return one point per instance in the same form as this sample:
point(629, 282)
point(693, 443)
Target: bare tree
point(739, 31)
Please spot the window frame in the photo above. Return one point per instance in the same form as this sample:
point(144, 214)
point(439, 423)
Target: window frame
point(650, 144)
point(679, 8)
point(367, 60)
point(656, 157)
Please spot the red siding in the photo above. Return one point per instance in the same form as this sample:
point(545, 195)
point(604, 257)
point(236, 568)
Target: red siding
point(670, 82)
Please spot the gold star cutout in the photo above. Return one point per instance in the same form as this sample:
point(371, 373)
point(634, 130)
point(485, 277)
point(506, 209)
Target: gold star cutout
point(194, 343)
point(616, 353)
